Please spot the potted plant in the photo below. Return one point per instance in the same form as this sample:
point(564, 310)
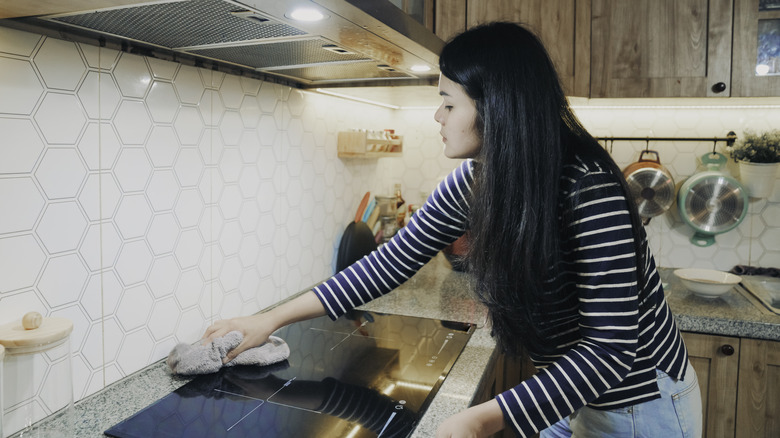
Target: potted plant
point(758, 157)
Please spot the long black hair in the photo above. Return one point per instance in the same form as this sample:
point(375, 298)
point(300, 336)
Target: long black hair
point(528, 131)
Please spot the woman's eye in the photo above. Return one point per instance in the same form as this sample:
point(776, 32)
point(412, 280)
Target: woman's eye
point(448, 107)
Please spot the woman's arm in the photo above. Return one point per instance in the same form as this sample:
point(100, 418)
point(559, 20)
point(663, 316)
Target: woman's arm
point(478, 421)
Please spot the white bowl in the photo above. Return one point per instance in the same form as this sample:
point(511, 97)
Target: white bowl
point(707, 283)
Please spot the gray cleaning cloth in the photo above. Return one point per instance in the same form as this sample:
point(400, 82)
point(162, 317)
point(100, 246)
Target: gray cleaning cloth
point(188, 359)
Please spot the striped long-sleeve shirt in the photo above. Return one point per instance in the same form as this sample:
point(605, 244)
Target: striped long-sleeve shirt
point(611, 333)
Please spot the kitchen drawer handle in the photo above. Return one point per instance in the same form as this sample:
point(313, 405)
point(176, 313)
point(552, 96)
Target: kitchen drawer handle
point(727, 349)
point(719, 87)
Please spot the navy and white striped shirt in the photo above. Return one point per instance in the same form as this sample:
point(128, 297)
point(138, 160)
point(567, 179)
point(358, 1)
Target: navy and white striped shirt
point(611, 334)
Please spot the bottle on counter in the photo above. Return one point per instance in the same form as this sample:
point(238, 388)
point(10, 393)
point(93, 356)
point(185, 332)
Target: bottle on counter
point(399, 203)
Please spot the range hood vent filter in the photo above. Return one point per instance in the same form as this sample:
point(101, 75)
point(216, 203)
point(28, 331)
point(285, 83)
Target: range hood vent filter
point(276, 54)
point(181, 23)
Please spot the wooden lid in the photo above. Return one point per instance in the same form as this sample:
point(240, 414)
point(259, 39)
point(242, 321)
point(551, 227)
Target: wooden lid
point(49, 333)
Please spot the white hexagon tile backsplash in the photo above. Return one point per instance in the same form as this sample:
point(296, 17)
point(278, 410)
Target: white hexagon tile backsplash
point(143, 199)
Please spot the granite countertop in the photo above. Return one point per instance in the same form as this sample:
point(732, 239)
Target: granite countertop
point(439, 292)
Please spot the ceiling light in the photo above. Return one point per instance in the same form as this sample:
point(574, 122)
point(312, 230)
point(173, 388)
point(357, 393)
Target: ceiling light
point(306, 14)
point(420, 68)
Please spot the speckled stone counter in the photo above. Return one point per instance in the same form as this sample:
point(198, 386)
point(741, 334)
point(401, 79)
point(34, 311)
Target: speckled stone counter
point(438, 292)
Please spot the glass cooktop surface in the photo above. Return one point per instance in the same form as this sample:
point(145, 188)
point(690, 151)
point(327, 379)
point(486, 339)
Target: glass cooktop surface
point(365, 375)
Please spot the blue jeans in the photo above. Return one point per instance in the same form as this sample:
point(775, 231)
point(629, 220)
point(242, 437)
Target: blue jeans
point(676, 414)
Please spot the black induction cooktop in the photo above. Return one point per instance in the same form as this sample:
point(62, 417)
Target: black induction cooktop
point(365, 375)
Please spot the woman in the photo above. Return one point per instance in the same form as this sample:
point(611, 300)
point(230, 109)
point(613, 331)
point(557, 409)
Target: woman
point(558, 252)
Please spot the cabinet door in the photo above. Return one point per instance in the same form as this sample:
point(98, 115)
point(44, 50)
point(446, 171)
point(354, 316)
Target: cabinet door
point(759, 389)
point(661, 48)
point(450, 18)
point(756, 61)
point(562, 25)
point(716, 361)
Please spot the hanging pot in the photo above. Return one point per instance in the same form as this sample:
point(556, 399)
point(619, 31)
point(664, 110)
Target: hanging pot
point(651, 185)
point(712, 202)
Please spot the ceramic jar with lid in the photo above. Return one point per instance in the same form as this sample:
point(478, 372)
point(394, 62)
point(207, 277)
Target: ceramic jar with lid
point(37, 377)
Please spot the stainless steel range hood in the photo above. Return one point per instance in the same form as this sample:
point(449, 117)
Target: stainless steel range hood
point(359, 43)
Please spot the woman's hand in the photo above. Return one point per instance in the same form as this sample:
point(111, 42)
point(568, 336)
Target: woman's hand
point(256, 329)
point(477, 421)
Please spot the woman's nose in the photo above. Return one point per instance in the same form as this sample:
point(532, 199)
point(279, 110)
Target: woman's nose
point(437, 114)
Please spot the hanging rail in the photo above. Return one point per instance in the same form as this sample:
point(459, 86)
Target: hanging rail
point(730, 138)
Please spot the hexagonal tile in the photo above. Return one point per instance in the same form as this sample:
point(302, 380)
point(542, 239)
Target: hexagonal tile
point(133, 216)
point(99, 95)
point(295, 132)
point(210, 224)
point(135, 351)
point(189, 289)
point(211, 107)
point(163, 233)
point(231, 91)
point(21, 260)
point(163, 277)
point(266, 130)
point(230, 202)
point(163, 69)
point(249, 181)
point(250, 285)
point(230, 238)
point(163, 102)
point(132, 122)
point(163, 189)
point(100, 58)
point(100, 196)
point(133, 169)
point(188, 125)
point(63, 280)
point(188, 85)
point(268, 97)
point(21, 147)
point(101, 294)
point(61, 173)
point(162, 146)
point(231, 128)
point(134, 307)
point(60, 118)
point(250, 112)
point(189, 208)
point(17, 42)
point(134, 262)
point(191, 326)
point(60, 64)
point(165, 314)
point(249, 146)
point(188, 249)
point(22, 203)
point(103, 341)
point(99, 146)
point(61, 227)
point(210, 263)
point(133, 76)
point(188, 167)
point(230, 165)
point(100, 246)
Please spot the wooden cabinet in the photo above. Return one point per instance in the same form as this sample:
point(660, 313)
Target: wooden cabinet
point(740, 385)
point(562, 25)
point(661, 48)
point(756, 59)
point(716, 361)
point(758, 394)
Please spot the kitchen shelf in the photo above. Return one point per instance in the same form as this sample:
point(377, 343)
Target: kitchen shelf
point(358, 144)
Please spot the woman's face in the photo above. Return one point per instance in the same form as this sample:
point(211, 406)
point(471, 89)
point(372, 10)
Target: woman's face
point(457, 116)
